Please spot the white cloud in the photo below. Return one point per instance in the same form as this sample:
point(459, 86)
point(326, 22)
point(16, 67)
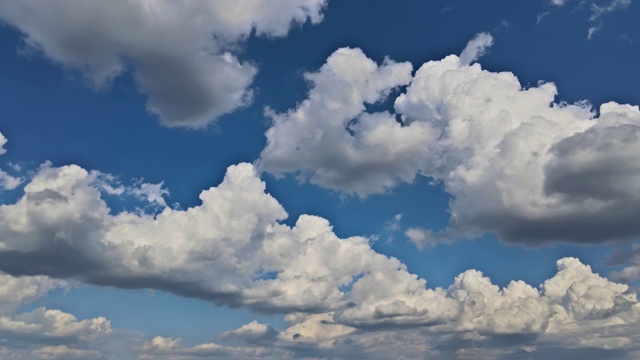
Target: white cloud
point(421, 237)
point(7, 181)
point(182, 54)
point(152, 193)
point(25, 333)
point(508, 155)
point(330, 138)
point(574, 312)
point(333, 289)
point(17, 291)
point(62, 227)
point(614, 5)
point(475, 48)
point(3, 142)
point(48, 323)
point(64, 352)
point(251, 333)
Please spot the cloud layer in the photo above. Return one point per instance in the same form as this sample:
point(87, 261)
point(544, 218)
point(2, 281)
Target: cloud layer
point(575, 313)
point(182, 54)
point(515, 161)
point(232, 249)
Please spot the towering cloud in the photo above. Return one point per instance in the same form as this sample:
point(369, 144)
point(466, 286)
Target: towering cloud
point(515, 161)
point(183, 54)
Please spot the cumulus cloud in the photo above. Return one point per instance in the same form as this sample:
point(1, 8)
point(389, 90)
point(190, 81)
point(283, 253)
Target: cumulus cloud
point(232, 249)
point(54, 324)
point(575, 312)
point(183, 54)
point(62, 227)
point(17, 291)
point(515, 161)
point(28, 334)
point(331, 139)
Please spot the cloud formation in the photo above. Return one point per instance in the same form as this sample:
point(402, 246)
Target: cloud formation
point(32, 333)
point(331, 139)
point(232, 249)
point(576, 312)
point(515, 161)
point(183, 54)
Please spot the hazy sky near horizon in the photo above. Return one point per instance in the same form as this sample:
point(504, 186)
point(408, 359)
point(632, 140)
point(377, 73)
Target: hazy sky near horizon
point(319, 178)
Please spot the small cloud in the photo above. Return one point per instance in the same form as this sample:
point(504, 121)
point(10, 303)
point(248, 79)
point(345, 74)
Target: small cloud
point(592, 31)
point(475, 48)
point(615, 5)
point(153, 193)
point(394, 223)
point(542, 16)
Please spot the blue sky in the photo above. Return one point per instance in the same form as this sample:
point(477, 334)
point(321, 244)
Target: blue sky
point(319, 178)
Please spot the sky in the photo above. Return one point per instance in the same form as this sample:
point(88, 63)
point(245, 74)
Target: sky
point(319, 179)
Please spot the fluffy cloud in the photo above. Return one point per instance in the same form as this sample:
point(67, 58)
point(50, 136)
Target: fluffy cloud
point(25, 333)
point(54, 324)
point(62, 227)
point(232, 249)
point(182, 54)
point(575, 313)
point(17, 291)
point(330, 138)
point(516, 162)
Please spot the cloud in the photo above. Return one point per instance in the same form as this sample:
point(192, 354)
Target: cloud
point(28, 334)
point(251, 333)
point(597, 10)
point(510, 156)
point(62, 228)
point(54, 324)
point(64, 352)
point(421, 237)
point(575, 312)
point(475, 48)
point(17, 291)
point(3, 142)
point(7, 181)
point(330, 138)
point(183, 55)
